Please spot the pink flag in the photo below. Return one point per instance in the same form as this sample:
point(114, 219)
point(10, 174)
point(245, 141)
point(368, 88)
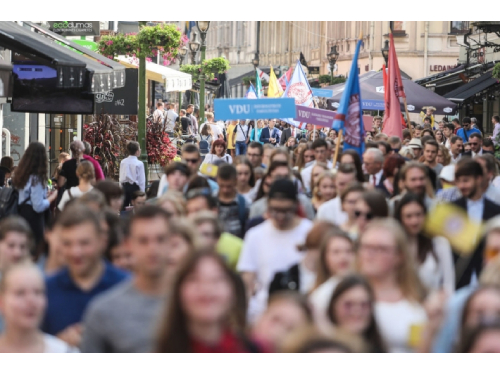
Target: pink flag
point(392, 122)
point(285, 78)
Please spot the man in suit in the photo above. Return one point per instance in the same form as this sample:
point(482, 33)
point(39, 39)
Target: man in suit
point(476, 145)
point(469, 179)
point(373, 160)
point(286, 133)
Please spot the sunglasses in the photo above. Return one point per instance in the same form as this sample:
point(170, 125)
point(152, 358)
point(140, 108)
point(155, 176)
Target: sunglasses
point(193, 161)
point(366, 215)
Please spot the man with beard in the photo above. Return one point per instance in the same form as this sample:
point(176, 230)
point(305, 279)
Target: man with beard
point(469, 179)
point(415, 178)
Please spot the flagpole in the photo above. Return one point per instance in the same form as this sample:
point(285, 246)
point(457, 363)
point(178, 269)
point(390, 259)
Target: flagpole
point(337, 149)
point(314, 133)
point(407, 116)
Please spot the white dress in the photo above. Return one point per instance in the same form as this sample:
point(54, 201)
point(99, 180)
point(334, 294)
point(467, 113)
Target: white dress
point(395, 321)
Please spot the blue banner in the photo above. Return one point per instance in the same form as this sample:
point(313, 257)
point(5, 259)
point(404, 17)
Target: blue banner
point(322, 93)
point(372, 105)
point(254, 109)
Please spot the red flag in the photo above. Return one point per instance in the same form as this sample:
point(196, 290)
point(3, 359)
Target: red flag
point(393, 120)
point(285, 78)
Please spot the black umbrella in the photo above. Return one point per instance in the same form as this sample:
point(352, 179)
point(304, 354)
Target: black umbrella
point(372, 95)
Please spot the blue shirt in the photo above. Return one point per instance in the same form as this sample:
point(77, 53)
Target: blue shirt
point(66, 302)
point(465, 135)
point(37, 194)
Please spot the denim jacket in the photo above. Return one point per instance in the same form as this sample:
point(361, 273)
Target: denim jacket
point(37, 194)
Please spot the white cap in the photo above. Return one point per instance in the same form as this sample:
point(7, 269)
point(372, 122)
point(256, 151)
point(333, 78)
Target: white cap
point(448, 173)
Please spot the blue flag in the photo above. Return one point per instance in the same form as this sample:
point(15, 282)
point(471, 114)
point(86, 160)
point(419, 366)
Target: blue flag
point(251, 94)
point(349, 115)
point(299, 89)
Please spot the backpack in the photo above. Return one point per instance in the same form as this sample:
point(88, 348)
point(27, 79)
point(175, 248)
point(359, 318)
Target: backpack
point(9, 201)
point(204, 148)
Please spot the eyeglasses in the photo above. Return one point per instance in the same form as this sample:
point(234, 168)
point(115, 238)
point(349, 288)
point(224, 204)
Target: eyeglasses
point(350, 305)
point(395, 150)
point(253, 155)
point(193, 161)
point(366, 215)
point(287, 212)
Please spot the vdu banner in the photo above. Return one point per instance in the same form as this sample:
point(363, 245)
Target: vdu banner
point(254, 109)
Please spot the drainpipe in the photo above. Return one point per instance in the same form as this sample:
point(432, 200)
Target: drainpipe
point(372, 39)
point(426, 42)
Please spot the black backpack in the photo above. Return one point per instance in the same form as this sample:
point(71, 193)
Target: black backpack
point(9, 198)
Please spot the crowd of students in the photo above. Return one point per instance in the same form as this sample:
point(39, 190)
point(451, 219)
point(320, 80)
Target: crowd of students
point(298, 246)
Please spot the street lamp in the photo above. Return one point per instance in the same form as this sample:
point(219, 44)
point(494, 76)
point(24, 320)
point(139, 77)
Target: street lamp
point(256, 61)
point(333, 56)
point(385, 51)
point(182, 55)
point(194, 47)
point(203, 27)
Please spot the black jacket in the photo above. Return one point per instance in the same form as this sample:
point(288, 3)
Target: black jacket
point(380, 186)
point(469, 153)
point(288, 280)
point(475, 261)
point(285, 135)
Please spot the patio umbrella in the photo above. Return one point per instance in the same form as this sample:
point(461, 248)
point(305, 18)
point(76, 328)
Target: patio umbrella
point(372, 95)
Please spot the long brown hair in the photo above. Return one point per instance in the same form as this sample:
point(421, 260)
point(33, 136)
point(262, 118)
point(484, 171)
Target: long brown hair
point(371, 334)
point(323, 274)
point(300, 159)
point(174, 336)
point(33, 163)
point(406, 274)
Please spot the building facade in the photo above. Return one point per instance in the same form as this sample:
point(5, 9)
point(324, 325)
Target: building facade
point(423, 47)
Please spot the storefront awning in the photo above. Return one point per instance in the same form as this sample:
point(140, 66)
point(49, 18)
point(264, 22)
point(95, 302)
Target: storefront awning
point(73, 70)
point(171, 79)
point(118, 74)
point(5, 80)
point(472, 88)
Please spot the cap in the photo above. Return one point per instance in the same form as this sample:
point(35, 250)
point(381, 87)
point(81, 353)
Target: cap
point(448, 173)
point(283, 189)
point(415, 143)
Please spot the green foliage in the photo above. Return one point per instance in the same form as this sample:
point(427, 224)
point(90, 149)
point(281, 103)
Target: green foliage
point(194, 70)
point(215, 65)
point(251, 79)
point(161, 39)
point(326, 78)
point(496, 71)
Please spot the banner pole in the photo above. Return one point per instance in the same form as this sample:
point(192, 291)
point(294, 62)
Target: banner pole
point(314, 133)
point(337, 149)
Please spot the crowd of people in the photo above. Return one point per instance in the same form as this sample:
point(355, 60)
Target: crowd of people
point(263, 238)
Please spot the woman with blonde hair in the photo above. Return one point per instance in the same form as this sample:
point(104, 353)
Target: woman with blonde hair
point(22, 306)
point(324, 189)
point(443, 156)
point(384, 259)
point(174, 203)
point(86, 175)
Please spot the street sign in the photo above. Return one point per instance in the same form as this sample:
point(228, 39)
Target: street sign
point(75, 28)
point(322, 93)
point(238, 109)
point(315, 116)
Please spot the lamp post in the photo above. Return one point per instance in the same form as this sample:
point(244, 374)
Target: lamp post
point(182, 55)
point(385, 52)
point(194, 47)
point(141, 126)
point(333, 56)
point(203, 27)
point(256, 61)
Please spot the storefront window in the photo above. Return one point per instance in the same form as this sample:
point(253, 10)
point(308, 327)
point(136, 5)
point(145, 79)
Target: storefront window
point(60, 132)
point(459, 27)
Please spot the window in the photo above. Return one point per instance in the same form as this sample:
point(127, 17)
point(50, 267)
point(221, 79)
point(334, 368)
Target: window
point(398, 27)
point(459, 27)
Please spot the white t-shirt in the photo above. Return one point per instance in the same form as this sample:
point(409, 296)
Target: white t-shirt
point(395, 319)
point(266, 251)
point(435, 274)
point(216, 130)
point(55, 345)
point(320, 298)
point(307, 279)
point(241, 133)
point(332, 211)
point(170, 120)
point(75, 193)
point(211, 158)
point(307, 172)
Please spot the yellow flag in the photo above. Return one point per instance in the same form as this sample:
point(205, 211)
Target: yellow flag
point(453, 223)
point(274, 90)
